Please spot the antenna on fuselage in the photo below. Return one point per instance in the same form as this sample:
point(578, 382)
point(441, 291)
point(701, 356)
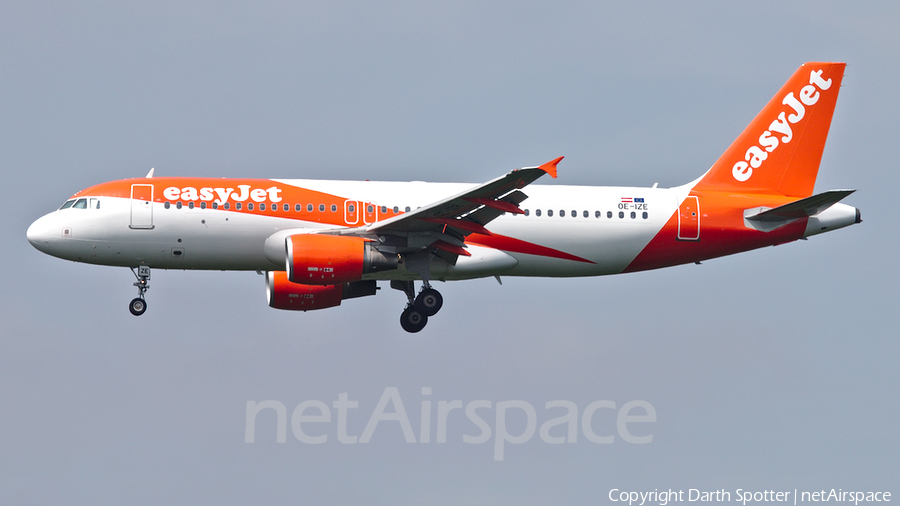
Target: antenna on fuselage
point(150, 174)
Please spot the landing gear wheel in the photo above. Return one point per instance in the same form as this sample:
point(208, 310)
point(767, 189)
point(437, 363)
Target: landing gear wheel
point(137, 306)
point(429, 301)
point(413, 320)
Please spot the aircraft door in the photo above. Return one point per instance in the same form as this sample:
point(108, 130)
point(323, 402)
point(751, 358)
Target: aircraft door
point(370, 212)
point(142, 206)
point(351, 212)
point(689, 219)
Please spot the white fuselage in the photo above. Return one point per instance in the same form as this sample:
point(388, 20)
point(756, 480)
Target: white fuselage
point(605, 231)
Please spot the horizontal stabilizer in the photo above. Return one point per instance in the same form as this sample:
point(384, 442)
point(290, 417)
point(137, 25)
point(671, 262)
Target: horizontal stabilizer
point(803, 208)
point(766, 220)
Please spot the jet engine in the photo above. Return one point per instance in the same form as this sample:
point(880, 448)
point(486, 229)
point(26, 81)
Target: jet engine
point(317, 259)
point(283, 294)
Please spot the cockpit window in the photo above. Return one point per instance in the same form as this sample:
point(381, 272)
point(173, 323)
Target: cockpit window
point(68, 204)
point(80, 204)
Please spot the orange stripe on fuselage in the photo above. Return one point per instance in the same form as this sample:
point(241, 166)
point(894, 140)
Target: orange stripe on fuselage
point(244, 191)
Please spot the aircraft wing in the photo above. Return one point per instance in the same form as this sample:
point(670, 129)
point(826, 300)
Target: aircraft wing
point(445, 224)
point(470, 210)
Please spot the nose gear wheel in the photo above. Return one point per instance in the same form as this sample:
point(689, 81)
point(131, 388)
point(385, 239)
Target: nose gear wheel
point(138, 305)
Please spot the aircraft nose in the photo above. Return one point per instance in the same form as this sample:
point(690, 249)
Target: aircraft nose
point(38, 234)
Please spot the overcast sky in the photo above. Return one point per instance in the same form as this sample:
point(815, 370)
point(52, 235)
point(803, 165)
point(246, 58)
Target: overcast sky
point(773, 369)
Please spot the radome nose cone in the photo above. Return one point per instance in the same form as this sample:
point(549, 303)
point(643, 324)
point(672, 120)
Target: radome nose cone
point(37, 234)
point(31, 233)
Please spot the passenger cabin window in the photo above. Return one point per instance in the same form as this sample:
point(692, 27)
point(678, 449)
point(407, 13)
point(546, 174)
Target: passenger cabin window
point(549, 212)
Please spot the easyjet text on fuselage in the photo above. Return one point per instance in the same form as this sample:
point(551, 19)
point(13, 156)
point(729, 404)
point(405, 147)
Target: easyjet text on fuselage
point(223, 195)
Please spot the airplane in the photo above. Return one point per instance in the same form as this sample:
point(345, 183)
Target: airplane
point(321, 242)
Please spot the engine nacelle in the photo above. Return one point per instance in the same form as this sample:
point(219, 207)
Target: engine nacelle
point(283, 294)
point(318, 259)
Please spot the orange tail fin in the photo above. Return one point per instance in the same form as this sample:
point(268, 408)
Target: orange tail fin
point(780, 151)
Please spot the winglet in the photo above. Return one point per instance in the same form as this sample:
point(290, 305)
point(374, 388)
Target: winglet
point(550, 167)
point(150, 174)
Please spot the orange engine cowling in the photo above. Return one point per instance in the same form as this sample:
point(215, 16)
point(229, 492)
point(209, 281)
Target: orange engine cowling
point(316, 259)
point(283, 294)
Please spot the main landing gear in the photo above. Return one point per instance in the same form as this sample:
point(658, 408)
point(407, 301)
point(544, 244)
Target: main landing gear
point(138, 305)
point(420, 307)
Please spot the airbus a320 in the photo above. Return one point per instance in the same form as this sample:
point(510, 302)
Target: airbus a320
point(321, 242)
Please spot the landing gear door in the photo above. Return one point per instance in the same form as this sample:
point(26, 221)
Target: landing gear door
point(689, 219)
point(142, 206)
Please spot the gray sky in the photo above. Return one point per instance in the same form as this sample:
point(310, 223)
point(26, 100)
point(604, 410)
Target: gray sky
point(774, 369)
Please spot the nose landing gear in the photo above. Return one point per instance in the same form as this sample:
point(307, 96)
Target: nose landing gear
point(138, 305)
point(418, 308)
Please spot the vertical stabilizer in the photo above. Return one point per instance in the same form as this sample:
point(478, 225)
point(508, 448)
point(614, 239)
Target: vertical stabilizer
point(780, 151)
